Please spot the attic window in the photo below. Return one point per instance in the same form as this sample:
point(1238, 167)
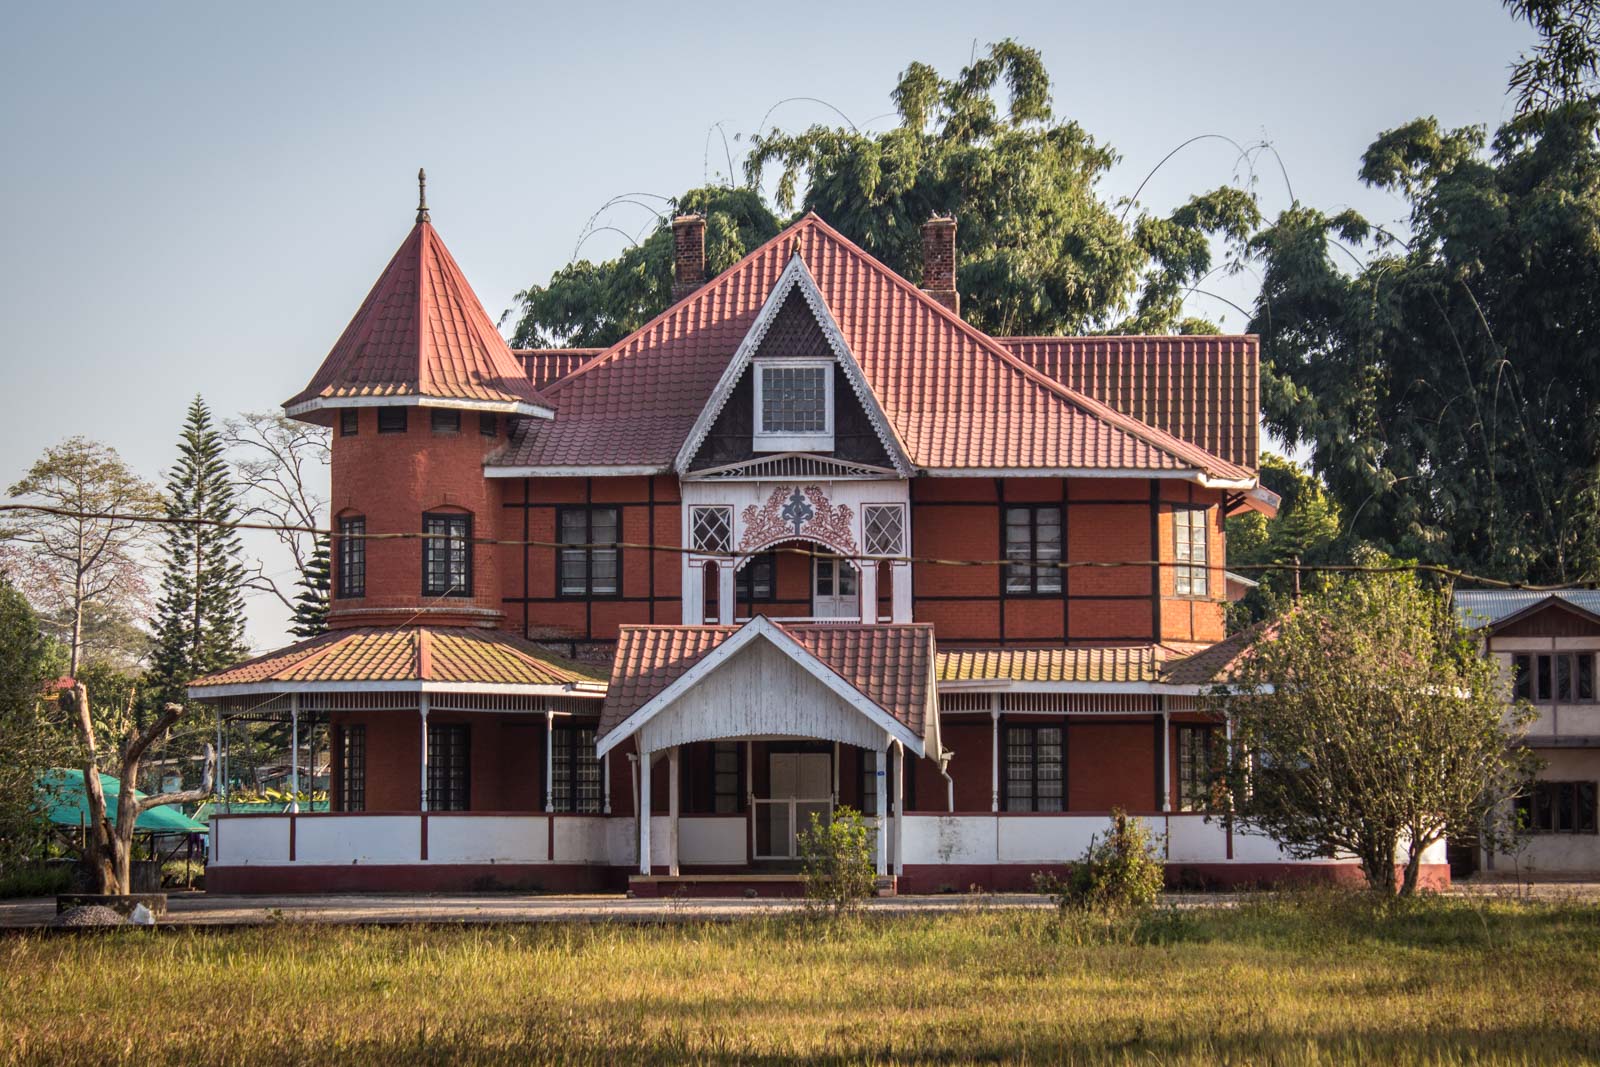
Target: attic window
point(794, 405)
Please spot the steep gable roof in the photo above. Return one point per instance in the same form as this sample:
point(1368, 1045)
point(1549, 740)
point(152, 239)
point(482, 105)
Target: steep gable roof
point(958, 402)
point(1202, 389)
point(420, 337)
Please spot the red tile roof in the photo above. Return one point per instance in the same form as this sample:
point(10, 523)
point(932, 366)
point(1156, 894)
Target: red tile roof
point(405, 654)
point(955, 397)
point(421, 332)
point(889, 665)
point(546, 366)
point(1204, 390)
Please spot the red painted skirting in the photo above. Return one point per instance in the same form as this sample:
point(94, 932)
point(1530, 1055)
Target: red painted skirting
point(1018, 877)
point(419, 878)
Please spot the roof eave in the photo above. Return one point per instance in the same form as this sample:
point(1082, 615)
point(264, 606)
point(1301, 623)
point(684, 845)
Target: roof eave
point(297, 409)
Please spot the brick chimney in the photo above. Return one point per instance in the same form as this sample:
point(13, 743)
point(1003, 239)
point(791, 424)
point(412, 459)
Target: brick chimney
point(689, 255)
point(939, 261)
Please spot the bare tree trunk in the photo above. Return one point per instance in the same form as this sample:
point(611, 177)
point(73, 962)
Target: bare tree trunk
point(1377, 863)
point(1413, 869)
point(100, 847)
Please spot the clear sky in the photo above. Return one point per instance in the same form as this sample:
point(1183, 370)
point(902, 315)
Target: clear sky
point(198, 196)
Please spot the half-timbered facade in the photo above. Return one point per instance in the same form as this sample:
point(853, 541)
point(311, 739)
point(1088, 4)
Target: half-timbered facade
point(630, 617)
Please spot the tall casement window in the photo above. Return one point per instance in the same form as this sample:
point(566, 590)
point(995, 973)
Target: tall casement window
point(794, 405)
point(1034, 761)
point(1195, 766)
point(446, 421)
point(755, 579)
point(869, 783)
point(447, 554)
point(391, 420)
point(726, 795)
point(353, 770)
point(349, 422)
point(1033, 544)
point(449, 767)
point(1191, 549)
point(352, 557)
point(574, 770)
point(593, 571)
point(1560, 808)
point(1558, 678)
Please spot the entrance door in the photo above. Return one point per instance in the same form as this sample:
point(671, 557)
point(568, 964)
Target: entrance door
point(800, 784)
point(833, 589)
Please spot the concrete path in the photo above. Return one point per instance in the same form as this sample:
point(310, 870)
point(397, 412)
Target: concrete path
point(201, 909)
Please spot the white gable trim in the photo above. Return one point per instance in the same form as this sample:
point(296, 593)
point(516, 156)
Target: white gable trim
point(762, 628)
point(794, 274)
point(417, 400)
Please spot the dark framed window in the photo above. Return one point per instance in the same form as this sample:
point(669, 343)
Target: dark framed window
point(488, 423)
point(574, 770)
point(349, 422)
point(1196, 752)
point(869, 783)
point(727, 778)
point(446, 421)
point(353, 770)
point(592, 571)
point(391, 420)
point(1192, 549)
point(1035, 778)
point(447, 554)
point(449, 767)
point(1033, 544)
point(352, 557)
point(1560, 808)
point(1557, 678)
point(757, 579)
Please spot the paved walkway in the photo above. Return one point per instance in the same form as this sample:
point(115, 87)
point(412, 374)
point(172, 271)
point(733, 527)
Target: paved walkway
point(201, 909)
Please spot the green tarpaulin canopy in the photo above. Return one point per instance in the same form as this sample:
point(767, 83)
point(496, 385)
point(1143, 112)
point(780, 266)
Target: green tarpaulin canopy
point(62, 795)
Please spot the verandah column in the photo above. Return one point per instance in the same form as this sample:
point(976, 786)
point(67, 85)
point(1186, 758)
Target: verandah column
point(994, 754)
point(882, 806)
point(899, 806)
point(867, 587)
point(672, 808)
point(422, 794)
point(294, 752)
point(644, 811)
point(725, 592)
point(549, 760)
point(1166, 759)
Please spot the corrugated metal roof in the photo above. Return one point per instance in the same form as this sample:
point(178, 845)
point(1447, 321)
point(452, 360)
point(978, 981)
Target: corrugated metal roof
point(1141, 663)
point(1486, 607)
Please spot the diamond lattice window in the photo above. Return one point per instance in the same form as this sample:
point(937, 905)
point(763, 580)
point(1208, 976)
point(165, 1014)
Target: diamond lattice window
point(711, 529)
point(885, 526)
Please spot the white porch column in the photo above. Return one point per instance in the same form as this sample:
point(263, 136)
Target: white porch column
point(672, 807)
point(882, 808)
point(694, 593)
point(294, 751)
point(836, 774)
point(899, 805)
point(422, 794)
point(901, 589)
point(222, 766)
point(867, 586)
point(1166, 762)
point(605, 784)
point(549, 760)
point(644, 812)
point(994, 754)
point(725, 604)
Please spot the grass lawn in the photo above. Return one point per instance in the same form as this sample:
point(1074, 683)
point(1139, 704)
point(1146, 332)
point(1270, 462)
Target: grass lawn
point(1293, 980)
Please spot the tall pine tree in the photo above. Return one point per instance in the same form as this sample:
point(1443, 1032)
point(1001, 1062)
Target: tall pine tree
point(311, 603)
point(199, 620)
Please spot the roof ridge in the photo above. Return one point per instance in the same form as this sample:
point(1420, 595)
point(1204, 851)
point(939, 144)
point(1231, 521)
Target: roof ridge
point(1083, 337)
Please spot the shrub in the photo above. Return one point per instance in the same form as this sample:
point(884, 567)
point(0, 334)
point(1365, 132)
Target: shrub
point(1120, 872)
point(36, 880)
point(183, 874)
point(837, 861)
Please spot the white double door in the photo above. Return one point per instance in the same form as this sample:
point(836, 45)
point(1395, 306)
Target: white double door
point(834, 592)
point(800, 784)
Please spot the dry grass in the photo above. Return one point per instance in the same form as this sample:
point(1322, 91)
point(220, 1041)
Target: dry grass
point(1293, 980)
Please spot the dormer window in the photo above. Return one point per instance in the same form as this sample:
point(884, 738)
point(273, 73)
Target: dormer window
point(794, 405)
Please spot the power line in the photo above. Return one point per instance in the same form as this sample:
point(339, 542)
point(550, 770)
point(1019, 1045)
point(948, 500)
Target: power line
point(863, 557)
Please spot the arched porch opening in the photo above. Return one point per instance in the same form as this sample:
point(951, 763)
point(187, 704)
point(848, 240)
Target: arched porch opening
point(804, 580)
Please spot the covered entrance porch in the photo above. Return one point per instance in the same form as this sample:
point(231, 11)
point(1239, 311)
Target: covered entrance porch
point(775, 724)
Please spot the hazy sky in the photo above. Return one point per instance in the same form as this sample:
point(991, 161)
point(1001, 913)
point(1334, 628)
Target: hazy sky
point(198, 197)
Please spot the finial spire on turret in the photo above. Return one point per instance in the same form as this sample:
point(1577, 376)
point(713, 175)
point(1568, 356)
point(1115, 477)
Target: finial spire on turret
point(422, 195)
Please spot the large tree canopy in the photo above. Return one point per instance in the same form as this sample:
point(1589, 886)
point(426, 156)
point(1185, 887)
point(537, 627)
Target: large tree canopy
point(1041, 251)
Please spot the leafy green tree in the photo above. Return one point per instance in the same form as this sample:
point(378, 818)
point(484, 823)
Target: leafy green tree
point(311, 603)
point(200, 618)
point(1307, 530)
point(1565, 64)
point(29, 742)
point(85, 554)
point(1040, 251)
point(1370, 724)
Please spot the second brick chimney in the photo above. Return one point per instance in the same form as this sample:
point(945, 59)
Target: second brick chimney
point(689, 255)
point(939, 261)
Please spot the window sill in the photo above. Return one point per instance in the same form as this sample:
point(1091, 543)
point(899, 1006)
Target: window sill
point(792, 442)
